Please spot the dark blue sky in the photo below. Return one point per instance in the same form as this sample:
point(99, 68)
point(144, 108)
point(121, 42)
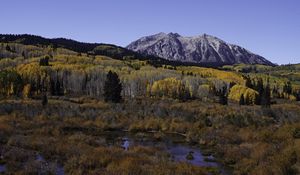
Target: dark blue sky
point(270, 28)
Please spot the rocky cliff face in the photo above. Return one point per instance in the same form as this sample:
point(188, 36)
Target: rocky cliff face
point(198, 49)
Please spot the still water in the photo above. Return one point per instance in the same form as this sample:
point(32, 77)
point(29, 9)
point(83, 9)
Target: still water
point(175, 145)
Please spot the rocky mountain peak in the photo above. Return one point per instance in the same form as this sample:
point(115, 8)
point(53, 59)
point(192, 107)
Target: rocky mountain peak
point(197, 49)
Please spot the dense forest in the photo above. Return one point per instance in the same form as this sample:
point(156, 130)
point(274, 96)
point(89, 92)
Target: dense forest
point(247, 116)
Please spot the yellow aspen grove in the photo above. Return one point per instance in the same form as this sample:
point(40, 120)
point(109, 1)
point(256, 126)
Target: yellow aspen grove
point(249, 94)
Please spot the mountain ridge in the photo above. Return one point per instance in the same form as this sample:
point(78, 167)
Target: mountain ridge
point(197, 49)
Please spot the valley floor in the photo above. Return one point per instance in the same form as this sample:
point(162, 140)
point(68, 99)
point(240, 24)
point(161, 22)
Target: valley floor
point(65, 136)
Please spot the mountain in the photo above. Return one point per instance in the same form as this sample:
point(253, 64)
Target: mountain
point(198, 49)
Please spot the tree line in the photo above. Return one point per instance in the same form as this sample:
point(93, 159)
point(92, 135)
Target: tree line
point(35, 79)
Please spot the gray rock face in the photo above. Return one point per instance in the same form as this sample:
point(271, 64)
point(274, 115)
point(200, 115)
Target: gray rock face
point(198, 49)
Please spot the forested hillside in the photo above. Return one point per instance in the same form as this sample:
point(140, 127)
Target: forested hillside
point(67, 72)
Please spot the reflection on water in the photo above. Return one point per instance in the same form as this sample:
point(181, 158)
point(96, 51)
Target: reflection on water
point(174, 145)
point(179, 151)
point(179, 154)
point(40, 158)
point(59, 169)
point(2, 168)
point(125, 143)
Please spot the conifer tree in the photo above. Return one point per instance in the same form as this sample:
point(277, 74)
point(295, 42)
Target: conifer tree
point(266, 96)
point(44, 100)
point(45, 61)
point(23, 55)
point(8, 48)
point(248, 82)
point(242, 100)
point(297, 95)
point(223, 99)
point(112, 88)
point(287, 88)
point(260, 89)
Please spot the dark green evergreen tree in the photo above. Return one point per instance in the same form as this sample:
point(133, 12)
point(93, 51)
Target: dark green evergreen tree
point(248, 82)
point(266, 96)
point(112, 88)
point(56, 88)
point(44, 100)
point(259, 87)
point(287, 88)
point(45, 61)
point(242, 100)
point(223, 99)
point(24, 55)
point(8, 48)
point(297, 95)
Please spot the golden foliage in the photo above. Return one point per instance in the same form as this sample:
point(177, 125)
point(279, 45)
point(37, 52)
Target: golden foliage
point(213, 73)
point(237, 90)
point(26, 91)
point(168, 87)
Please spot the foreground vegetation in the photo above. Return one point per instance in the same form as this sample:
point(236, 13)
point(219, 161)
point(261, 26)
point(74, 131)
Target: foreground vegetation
point(249, 139)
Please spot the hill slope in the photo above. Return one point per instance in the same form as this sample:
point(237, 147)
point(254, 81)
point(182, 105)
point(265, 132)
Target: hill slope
point(80, 47)
point(199, 49)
